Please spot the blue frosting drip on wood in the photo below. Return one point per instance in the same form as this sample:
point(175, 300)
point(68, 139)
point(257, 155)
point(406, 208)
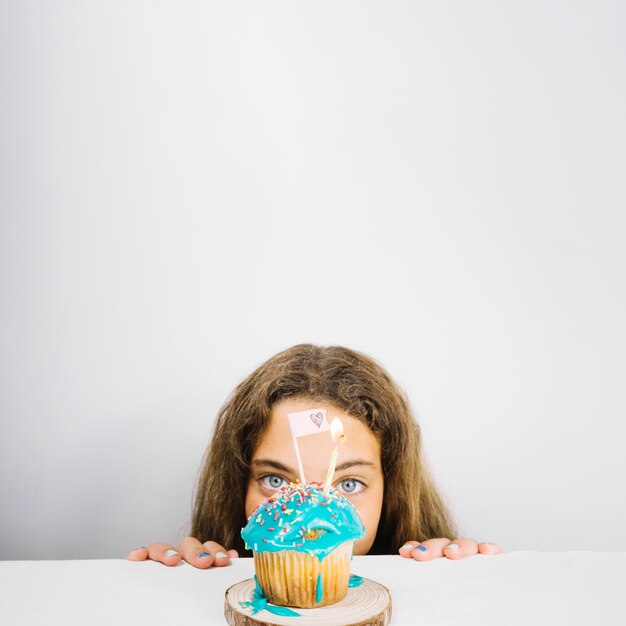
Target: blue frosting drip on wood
point(259, 603)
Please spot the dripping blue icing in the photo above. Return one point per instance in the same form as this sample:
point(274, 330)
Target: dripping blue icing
point(258, 590)
point(355, 581)
point(319, 589)
point(281, 610)
point(259, 603)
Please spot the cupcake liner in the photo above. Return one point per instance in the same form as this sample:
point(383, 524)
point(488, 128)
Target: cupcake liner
point(292, 578)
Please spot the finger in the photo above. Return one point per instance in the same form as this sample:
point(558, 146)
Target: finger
point(489, 548)
point(233, 554)
point(460, 548)
point(407, 548)
point(138, 554)
point(219, 554)
point(430, 549)
point(195, 553)
point(164, 553)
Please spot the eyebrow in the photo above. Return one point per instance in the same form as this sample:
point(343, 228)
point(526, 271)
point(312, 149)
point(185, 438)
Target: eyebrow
point(354, 463)
point(274, 464)
point(288, 470)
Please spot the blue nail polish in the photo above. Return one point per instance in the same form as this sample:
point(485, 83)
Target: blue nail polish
point(203, 554)
point(421, 548)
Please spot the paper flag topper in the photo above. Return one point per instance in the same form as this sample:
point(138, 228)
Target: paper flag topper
point(308, 422)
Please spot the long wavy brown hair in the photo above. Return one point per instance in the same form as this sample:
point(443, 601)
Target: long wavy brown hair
point(351, 381)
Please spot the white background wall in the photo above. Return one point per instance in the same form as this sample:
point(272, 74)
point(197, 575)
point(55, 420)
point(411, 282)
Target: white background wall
point(189, 187)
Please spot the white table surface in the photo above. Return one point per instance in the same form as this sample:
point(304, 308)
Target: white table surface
point(508, 589)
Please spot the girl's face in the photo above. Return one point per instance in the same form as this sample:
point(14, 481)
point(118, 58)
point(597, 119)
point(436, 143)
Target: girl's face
point(358, 473)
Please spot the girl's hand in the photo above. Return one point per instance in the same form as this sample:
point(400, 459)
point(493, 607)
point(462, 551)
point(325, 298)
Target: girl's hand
point(457, 549)
point(201, 555)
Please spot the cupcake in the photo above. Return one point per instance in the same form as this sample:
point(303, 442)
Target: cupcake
point(302, 541)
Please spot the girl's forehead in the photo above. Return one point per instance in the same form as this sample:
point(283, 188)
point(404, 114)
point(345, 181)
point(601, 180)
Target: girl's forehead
point(277, 440)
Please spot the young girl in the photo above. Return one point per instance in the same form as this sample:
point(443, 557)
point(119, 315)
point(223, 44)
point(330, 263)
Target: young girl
point(379, 468)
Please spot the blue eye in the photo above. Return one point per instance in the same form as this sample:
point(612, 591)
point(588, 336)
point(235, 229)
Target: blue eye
point(351, 485)
point(272, 481)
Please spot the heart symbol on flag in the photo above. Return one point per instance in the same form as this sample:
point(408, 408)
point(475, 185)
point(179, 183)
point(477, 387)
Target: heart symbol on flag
point(317, 419)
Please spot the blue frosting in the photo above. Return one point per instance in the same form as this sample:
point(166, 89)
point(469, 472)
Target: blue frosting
point(259, 603)
point(303, 518)
point(319, 589)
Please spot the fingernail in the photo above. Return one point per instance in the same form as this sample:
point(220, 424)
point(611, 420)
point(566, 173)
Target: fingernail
point(171, 553)
point(220, 555)
point(203, 554)
point(453, 546)
point(406, 546)
point(421, 548)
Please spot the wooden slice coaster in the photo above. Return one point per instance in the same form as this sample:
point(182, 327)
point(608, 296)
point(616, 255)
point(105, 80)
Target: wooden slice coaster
point(368, 604)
